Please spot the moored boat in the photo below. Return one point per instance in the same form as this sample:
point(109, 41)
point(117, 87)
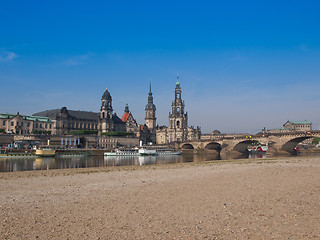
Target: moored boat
point(46, 152)
point(123, 152)
point(143, 151)
point(147, 152)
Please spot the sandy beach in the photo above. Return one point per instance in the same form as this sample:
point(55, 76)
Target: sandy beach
point(239, 199)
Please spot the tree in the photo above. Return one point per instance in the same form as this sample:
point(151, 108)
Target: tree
point(316, 140)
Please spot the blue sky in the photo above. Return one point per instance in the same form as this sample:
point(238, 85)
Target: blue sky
point(243, 65)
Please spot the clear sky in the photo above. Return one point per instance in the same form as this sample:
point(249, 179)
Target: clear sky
point(243, 65)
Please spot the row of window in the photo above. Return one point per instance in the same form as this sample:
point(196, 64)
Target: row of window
point(83, 125)
point(35, 125)
point(302, 126)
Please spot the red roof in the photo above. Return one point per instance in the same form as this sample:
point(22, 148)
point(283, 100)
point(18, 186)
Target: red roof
point(125, 116)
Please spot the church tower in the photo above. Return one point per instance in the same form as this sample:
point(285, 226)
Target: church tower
point(178, 119)
point(151, 113)
point(106, 113)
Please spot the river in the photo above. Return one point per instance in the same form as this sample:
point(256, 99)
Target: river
point(13, 164)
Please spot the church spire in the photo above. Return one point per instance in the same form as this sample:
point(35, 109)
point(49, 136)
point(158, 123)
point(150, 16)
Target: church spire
point(150, 88)
point(178, 83)
point(150, 112)
point(150, 98)
point(126, 109)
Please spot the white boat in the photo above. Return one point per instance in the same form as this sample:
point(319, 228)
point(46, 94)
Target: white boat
point(147, 152)
point(142, 151)
point(123, 152)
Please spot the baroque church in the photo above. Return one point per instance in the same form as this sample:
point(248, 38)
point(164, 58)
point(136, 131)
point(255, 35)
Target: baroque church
point(178, 130)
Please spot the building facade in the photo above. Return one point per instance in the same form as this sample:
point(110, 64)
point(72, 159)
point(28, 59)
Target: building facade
point(68, 120)
point(298, 126)
point(178, 130)
point(23, 124)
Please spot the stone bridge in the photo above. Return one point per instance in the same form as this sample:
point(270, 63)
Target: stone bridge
point(277, 143)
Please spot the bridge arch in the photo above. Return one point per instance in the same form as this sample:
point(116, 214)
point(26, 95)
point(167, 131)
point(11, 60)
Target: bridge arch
point(243, 146)
point(213, 146)
point(290, 146)
point(187, 146)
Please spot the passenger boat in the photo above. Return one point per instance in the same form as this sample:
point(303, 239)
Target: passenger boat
point(147, 152)
point(123, 152)
point(143, 151)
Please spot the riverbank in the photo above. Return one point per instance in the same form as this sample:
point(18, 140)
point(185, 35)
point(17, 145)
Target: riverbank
point(239, 199)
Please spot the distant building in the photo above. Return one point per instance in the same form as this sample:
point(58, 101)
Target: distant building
point(128, 119)
point(24, 124)
point(150, 119)
point(108, 121)
point(62, 122)
point(178, 130)
point(298, 126)
point(67, 120)
point(290, 126)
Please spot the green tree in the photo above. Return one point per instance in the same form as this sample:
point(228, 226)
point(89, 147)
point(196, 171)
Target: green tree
point(316, 140)
point(82, 132)
point(117, 133)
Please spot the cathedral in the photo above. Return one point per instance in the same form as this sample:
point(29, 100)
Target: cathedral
point(178, 130)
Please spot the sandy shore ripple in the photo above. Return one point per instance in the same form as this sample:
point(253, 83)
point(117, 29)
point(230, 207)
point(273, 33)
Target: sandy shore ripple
point(240, 199)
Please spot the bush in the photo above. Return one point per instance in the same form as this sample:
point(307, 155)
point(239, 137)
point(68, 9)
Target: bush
point(117, 133)
point(2, 130)
point(41, 132)
point(316, 140)
point(83, 132)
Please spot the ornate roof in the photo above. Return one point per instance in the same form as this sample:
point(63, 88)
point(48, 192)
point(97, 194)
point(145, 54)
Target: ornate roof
point(54, 113)
point(106, 94)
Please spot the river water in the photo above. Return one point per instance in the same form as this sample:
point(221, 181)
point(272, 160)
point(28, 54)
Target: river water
point(62, 162)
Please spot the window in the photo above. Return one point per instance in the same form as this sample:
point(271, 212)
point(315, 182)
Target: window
point(4, 123)
point(50, 126)
point(11, 123)
point(178, 124)
point(40, 125)
point(28, 124)
point(21, 124)
point(36, 125)
point(46, 126)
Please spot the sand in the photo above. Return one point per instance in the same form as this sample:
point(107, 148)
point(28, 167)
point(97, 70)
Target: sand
point(240, 199)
